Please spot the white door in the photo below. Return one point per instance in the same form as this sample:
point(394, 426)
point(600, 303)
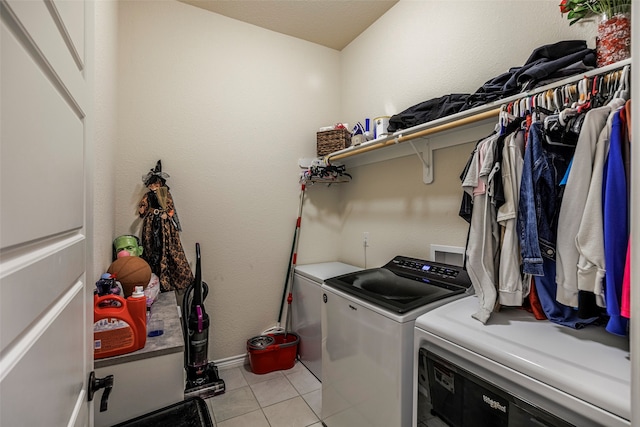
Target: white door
point(45, 305)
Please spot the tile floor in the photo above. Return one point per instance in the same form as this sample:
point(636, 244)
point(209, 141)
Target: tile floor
point(290, 398)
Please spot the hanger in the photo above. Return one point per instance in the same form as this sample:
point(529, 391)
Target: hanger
point(584, 101)
point(583, 91)
point(533, 103)
point(622, 90)
point(615, 82)
point(550, 105)
point(503, 118)
point(600, 84)
point(557, 102)
point(524, 102)
point(562, 130)
point(597, 97)
point(558, 116)
point(604, 92)
point(604, 89)
point(515, 108)
point(540, 110)
point(606, 84)
point(577, 94)
point(570, 94)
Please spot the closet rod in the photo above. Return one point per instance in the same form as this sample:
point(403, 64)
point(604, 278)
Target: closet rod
point(421, 134)
point(398, 137)
point(457, 123)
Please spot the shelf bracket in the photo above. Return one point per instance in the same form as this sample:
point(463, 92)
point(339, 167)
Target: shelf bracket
point(426, 158)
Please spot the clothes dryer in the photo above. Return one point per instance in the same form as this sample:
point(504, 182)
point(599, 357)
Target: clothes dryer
point(305, 309)
point(518, 371)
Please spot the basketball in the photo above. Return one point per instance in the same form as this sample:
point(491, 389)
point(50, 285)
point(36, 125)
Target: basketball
point(130, 271)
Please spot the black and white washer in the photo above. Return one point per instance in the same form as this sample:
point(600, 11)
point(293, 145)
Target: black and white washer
point(367, 338)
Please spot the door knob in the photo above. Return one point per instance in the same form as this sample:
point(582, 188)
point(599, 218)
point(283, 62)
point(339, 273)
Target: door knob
point(96, 384)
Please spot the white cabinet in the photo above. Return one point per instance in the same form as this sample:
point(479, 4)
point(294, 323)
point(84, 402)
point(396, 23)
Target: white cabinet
point(150, 378)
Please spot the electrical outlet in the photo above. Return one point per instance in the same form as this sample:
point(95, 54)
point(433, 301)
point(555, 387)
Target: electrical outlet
point(365, 239)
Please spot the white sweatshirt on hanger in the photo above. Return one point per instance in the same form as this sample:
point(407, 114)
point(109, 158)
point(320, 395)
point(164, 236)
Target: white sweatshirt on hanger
point(574, 201)
point(590, 237)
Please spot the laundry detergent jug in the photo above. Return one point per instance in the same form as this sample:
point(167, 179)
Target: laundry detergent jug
point(120, 326)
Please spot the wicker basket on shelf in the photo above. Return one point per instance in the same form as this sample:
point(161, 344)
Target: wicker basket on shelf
point(331, 141)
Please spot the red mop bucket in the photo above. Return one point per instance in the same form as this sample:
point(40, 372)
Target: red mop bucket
point(272, 352)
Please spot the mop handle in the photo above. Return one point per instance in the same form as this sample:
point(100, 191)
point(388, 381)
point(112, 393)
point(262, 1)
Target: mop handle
point(286, 277)
point(293, 257)
point(287, 326)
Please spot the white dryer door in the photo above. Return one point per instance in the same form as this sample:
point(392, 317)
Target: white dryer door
point(305, 321)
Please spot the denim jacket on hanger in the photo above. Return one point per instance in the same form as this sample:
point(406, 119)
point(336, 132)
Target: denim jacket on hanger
point(539, 200)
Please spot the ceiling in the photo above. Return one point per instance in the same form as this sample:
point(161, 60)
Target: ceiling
point(331, 23)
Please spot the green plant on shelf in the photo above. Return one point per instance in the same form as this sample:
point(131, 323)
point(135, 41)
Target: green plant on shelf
point(579, 9)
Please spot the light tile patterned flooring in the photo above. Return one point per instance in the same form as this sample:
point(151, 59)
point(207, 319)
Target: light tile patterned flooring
point(291, 398)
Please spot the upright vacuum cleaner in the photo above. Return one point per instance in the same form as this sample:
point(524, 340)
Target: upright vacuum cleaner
point(202, 376)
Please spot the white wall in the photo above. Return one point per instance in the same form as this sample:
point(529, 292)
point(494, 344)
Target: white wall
point(417, 51)
point(229, 108)
point(422, 49)
point(105, 135)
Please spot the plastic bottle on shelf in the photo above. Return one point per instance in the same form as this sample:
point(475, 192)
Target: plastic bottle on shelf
point(137, 304)
point(120, 326)
point(367, 131)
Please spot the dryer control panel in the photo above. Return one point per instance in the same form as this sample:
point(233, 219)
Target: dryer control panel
point(414, 267)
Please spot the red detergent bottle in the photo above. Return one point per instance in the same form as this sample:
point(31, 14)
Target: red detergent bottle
point(120, 326)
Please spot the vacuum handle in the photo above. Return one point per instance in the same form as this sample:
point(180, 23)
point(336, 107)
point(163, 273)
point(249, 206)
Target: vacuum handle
point(197, 284)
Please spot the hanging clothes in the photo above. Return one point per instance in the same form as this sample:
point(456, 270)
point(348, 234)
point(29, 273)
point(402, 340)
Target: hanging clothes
point(540, 197)
point(513, 285)
point(482, 247)
point(625, 308)
point(589, 240)
point(533, 195)
point(616, 228)
point(532, 302)
point(625, 120)
point(574, 200)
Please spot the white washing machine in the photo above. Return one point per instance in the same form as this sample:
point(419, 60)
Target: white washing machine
point(518, 371)
point(305, 309)
point(367, 338)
